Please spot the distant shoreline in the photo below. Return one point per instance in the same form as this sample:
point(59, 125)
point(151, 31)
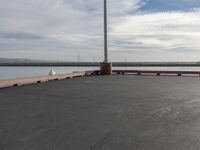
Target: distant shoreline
point(96, 64)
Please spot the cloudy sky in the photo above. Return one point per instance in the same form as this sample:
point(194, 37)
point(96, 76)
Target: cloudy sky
point(138, 30)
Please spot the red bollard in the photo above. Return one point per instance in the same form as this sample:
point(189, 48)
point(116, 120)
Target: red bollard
point(106, 68)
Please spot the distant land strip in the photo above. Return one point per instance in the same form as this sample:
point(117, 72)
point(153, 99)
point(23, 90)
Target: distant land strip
point(96, 64)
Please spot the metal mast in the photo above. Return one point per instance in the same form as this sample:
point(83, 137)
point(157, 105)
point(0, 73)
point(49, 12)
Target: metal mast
point(105, 32)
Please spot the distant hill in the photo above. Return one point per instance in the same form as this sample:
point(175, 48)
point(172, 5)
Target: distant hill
point(16, 60)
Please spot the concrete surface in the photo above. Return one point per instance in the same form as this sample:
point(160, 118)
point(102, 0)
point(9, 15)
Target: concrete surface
point(102, 113)
point(31, 80)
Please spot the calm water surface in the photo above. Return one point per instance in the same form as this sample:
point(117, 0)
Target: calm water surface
point(18, 72)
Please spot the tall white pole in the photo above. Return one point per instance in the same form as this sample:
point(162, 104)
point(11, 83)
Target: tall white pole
point(105, 33)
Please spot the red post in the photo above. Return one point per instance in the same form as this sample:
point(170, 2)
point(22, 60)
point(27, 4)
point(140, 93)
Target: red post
point(106, 68)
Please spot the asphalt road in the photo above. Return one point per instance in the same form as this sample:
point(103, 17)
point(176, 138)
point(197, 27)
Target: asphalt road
point(121, 112)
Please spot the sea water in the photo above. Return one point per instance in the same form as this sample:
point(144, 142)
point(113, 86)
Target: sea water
point(19, 72)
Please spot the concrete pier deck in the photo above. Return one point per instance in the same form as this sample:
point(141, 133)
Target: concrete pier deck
point(119, 112)
point(39, 79)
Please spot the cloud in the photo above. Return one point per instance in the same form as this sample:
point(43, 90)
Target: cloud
point(63, 25)
point(63, 29)
point(19, 36)
point(174, 32)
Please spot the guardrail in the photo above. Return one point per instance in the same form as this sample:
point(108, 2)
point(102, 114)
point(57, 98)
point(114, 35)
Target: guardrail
point(149, 72)
point(145, 72)
point(156, 72)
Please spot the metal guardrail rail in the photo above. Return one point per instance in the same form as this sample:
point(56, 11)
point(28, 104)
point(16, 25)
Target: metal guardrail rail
point(149, 72)
point(156, 72)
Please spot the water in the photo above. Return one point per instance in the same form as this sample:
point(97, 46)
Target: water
point(18, 72)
